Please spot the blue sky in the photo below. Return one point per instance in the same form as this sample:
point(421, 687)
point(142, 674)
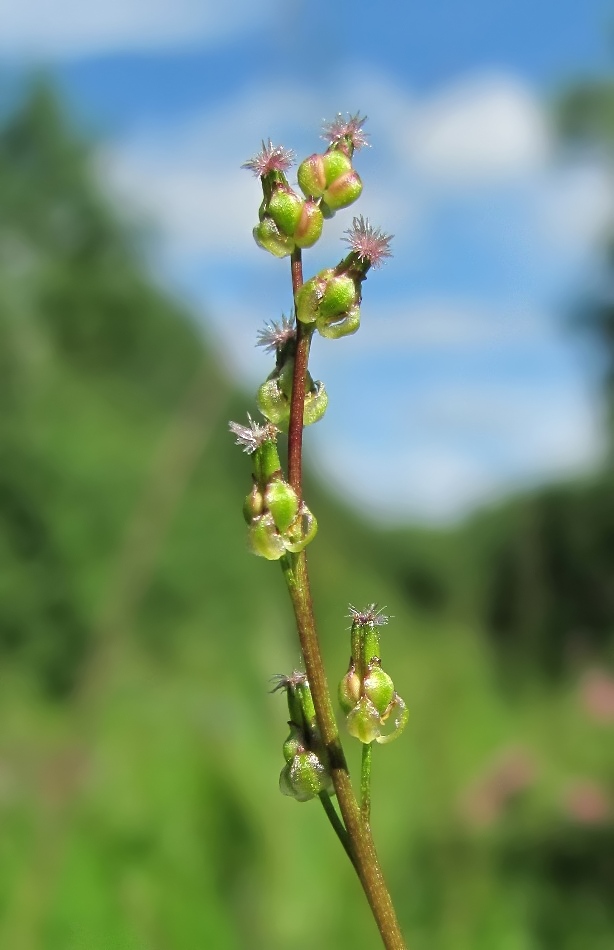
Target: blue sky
point(464, 382)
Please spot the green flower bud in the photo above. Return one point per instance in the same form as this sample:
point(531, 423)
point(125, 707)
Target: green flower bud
point(312, 177)
point(349, 689)
point(282, 501)
point(264, 539)
point(304, 777)
point(334, 329)
point(343, 191)
point(379, 688)
point(309, 226)
point(285, 207)
point(268, 236)
point(363, 721)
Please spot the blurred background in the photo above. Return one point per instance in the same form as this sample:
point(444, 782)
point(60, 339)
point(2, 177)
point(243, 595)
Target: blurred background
point(462, 475)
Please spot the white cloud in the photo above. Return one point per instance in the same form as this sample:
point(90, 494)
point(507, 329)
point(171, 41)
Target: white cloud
point(51, 29)
point(576, 205)
point(488, 128)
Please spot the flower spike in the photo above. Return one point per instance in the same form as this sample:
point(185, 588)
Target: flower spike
point(350, 130)
point(274, 336)
point(252, 436)
point(368, 243)
point(271, 158)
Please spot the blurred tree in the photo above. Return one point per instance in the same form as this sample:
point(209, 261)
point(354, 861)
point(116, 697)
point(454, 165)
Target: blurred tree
point(82, 326)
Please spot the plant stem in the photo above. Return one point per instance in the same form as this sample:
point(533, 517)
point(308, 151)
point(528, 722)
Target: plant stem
point(333, 817)
point(365, 782)
point(294, 566)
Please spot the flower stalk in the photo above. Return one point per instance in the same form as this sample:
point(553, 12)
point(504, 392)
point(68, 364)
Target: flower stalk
point(279, 523)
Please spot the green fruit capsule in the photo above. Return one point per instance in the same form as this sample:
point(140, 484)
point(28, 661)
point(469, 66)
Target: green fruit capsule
point(336, 163)
point(268, 236)
point(343, 191)
point(379, 688)
point(349, 690)
point(312, 177)
point(363, 721)
point(282, 501)
point(304, 777)
point(273, 402)
point(264, 539)
point(344, 325)
point(316, 402)
point(309, 227)
point(294, 743)
point(285, 207)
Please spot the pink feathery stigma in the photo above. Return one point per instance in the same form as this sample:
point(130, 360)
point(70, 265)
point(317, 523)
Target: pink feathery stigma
point(271, 158)
point(371, 616)
point(274, 335)
point(252, 436)
point(341, 128)
point(369, 243)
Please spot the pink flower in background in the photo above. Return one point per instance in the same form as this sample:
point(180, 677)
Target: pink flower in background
point(586, 801)
point(512, 772)
point(597, 696)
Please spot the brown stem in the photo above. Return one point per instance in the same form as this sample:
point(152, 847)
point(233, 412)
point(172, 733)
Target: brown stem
point(297, 578)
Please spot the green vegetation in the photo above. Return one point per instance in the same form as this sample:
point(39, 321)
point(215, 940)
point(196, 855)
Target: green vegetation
point(139, 746)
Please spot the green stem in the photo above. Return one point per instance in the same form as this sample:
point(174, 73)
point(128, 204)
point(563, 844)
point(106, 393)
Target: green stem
point(294, 566)
point(338, 826)
point(365, 782)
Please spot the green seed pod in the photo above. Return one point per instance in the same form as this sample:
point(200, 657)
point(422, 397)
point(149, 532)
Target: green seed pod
point(345, 325)
point(308, 298)
point(343, 191)
point(268, 236)
point(264, 539)
point(282, 501)
point(363, 721)
point(349, 690)
point(379, 688)
point(312, 177)
point(285, 207)
point(309, 226)
point(304, 777)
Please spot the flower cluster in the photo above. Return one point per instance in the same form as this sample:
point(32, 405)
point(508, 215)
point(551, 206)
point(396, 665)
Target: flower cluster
point(277, 521)
point(306, 772)
point(366, 693)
